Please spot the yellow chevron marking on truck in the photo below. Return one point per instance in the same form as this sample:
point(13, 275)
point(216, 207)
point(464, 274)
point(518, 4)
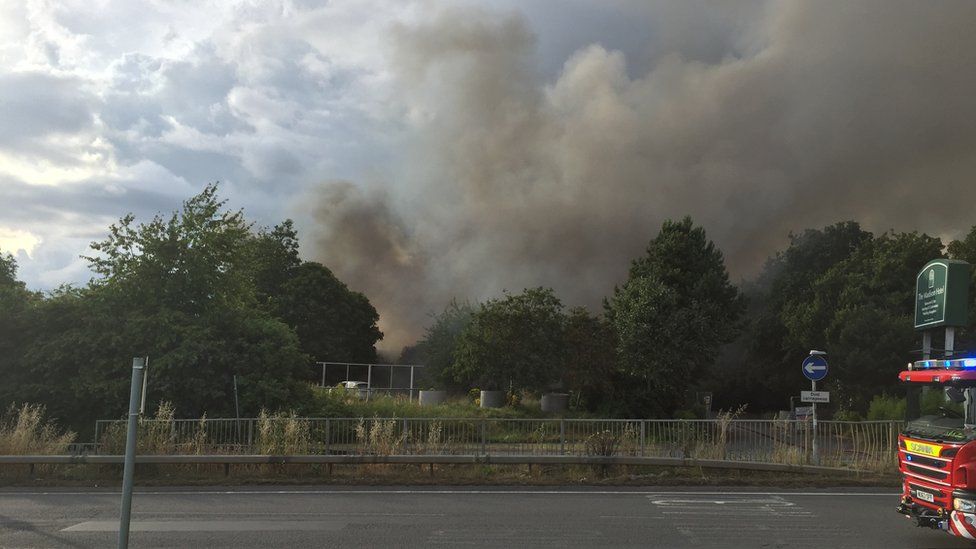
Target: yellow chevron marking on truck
point(923, 448)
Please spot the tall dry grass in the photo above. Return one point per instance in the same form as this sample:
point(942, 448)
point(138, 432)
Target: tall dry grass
point(283, 433)
point(157, 435)
point(380, 437)
point(25, 431)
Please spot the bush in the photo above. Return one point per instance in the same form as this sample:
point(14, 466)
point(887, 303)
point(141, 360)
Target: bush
point(342, 404)
point(602, 443)
point(886, 407)
point(685, 414)
point(847, 415)
point(893, 408)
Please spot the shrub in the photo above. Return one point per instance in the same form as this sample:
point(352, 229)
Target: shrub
point(886, 407)
point(602, 443)
point(848, 415)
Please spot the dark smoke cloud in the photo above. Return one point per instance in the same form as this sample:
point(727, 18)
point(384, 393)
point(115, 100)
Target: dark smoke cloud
point(817, 112)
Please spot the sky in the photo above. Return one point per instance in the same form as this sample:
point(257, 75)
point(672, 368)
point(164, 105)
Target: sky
point(429, 150)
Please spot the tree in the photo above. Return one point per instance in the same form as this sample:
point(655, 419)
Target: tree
point(965, 250)
point(861, 313)
point(761, 366)
point(438, 348)
point(516, 342)
point(274, 254)
point(590, 358)
point(332, 322)
point(671, 317)
point(180, 290)
point(196, 258)
point(15, 307)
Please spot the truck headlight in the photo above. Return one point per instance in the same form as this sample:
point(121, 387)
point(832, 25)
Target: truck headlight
point(964, 505)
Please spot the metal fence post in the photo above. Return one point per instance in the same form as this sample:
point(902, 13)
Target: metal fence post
point(484, 437)
point(328, 436)
point(406, 436)
point(643, 434)
point(562, 436)
point(250, 435)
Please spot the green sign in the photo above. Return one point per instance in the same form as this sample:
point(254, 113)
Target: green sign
point(942, 294)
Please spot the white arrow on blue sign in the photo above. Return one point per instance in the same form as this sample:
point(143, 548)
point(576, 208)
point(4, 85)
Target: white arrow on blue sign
point(814, 367)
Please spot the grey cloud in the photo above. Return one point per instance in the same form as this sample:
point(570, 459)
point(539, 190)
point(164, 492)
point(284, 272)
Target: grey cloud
point(29, 205)
point(36, 104)
point(800, 114)
point(195, 166)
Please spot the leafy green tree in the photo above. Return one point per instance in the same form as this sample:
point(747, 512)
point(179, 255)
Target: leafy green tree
point(590, 358)
point(761, 368)
point(332, 322)
point(274, 254)
point(965, 250)
point(861, 313)
point(180, 290)
point(15, 306)
point(516, 342)
point(192, 260)
point(437, 350)
point(671, 317)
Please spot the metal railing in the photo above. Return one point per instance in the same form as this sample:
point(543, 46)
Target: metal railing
point(869, 445)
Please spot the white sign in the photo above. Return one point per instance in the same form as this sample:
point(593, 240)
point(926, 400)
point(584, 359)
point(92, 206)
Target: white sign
point(820, 397)
point(803, 412)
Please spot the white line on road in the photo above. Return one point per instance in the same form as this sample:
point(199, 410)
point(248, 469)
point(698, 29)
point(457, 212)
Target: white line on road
point(208, 526)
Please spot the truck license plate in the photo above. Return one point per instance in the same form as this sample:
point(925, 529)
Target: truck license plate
point(924, 496)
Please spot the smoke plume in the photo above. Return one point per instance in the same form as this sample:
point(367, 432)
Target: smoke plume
point(807, 114)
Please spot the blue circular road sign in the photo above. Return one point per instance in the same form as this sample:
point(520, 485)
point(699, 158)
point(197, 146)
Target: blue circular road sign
point(814, 367)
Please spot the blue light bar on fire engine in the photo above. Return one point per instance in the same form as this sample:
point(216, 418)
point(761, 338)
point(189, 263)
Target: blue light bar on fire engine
point(954, 364)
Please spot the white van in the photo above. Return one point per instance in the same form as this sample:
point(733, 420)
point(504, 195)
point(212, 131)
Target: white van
point(360, 387)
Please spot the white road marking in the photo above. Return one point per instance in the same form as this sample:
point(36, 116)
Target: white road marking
point(728, 501)
point(285, 514)
point(208, 526)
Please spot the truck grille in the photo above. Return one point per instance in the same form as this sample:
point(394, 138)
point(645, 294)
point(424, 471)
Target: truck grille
point(927, 473)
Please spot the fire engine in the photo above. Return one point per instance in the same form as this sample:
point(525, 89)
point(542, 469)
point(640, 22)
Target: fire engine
point(937, 453)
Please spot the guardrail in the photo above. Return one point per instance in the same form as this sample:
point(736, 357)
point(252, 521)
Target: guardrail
point(856, 445)
point(228, 460)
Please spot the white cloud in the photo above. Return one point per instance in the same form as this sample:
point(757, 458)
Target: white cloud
point(18, 241)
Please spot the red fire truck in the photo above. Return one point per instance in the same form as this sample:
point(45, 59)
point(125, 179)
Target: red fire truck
point(937, 453)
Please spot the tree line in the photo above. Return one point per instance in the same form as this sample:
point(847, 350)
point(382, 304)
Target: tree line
point(677, 327)
point(207, 296)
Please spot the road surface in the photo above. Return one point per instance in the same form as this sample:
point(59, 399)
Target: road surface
point(290, 517)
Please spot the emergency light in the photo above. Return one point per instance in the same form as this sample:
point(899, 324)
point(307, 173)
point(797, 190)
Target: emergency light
point(954, 364)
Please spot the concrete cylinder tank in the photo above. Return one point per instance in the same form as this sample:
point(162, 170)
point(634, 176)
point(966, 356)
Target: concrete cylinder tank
point(555, 402)
point(492, 399)
point(432, 398)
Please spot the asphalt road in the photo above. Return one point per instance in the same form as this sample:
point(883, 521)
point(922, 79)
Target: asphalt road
point(462, 517)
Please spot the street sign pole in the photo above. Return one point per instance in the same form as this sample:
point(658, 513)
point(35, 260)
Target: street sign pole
point(814, 367)
point(138, 365)
point(815, 455)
